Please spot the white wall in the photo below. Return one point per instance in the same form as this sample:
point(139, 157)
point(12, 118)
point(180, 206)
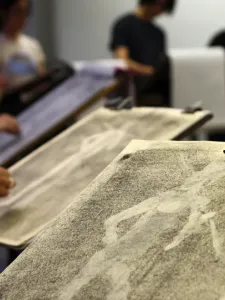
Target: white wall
point(31, 25)
point(82, 26)
point(41, 25)
point(44, 22)
point(194, 22)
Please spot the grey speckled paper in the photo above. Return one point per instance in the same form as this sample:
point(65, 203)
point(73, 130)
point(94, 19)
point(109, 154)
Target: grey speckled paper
point(151, 226)
point(51, 178)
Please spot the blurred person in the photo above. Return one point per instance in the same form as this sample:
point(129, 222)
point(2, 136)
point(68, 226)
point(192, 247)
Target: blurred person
point(137, 40)
point(21, 57)
point(142, 45)
point(9, 124)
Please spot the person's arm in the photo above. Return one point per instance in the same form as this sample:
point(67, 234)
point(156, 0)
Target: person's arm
point(41, 58)
point(4, 83)
point(6, 183)
point(41, 68)
point(122, 52)
point(119, 45)
point(9, 124)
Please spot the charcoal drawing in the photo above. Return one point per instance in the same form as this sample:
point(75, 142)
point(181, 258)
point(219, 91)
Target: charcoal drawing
point(67, 165)
point(151, 226)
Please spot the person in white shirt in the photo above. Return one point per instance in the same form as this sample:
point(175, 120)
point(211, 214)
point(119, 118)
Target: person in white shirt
point(21, 57)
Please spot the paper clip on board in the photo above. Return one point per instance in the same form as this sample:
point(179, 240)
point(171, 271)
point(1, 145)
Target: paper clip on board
point(193, 108)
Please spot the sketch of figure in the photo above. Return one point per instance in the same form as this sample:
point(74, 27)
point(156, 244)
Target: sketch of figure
point(116, 261)
point(69, 167)
point(64, 181)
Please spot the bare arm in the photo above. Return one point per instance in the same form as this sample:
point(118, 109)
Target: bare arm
point(41, 68)
point(123, 53)
point(40, 57)
point(9, 124)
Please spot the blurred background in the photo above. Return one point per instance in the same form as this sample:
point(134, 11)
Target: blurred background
point(79, 30)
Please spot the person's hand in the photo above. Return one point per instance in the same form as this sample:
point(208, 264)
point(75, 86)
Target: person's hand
point(146, 70)
point(9, 124)
point(6, 183)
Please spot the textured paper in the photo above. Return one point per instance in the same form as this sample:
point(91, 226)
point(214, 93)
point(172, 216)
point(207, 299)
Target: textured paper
point(151, 226)
point(198, 75)
point(50, 179)
point(49, 111)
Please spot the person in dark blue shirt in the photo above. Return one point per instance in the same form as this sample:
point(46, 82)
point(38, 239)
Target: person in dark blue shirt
point(142, 44)
point(137, 40)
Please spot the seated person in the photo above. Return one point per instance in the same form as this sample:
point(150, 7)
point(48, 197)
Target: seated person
point(21, 57)
point(137, 40)
point(9, 124)
point(6, 183)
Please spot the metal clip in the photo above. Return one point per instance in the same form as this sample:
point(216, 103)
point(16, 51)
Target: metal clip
point(193, 108)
